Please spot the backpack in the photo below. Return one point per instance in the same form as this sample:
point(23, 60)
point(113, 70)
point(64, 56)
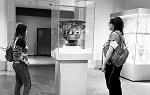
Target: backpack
point(9, 54)
point(120, 54)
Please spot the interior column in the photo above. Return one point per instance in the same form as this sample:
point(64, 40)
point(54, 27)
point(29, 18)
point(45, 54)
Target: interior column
point(7, 25)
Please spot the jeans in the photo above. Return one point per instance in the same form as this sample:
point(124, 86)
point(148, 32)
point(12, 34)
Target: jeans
point(22, 78)
point(112, 76)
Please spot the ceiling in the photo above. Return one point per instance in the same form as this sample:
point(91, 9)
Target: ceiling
point(42, 4)
point(33, 3)
point(45, 4)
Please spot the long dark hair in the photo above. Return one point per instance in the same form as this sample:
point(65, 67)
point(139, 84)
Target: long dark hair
point(21, 31)
point(21, 42)
point(118, 24)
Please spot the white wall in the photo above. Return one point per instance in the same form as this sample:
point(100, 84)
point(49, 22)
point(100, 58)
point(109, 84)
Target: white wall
point(102, 12)
point(3, 31)
point(130, 4)
point(11, 20)
point(103, 9)
point(6, 24)
point(33, 23)
point(120, 5)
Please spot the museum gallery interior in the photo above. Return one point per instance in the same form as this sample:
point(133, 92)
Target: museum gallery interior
point(65, 40)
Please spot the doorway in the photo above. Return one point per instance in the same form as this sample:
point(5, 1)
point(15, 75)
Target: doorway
point(43, 41)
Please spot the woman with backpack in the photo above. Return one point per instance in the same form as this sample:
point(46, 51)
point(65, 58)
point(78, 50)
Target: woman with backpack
point(112, 72)
point(20, 63)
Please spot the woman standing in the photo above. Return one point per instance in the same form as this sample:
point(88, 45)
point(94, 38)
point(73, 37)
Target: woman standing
point(112, 73)
point(20, 64)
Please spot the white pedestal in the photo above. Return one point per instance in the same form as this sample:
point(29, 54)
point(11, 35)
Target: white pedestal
point(71, 70)
point(72, 53)
point(71, 77)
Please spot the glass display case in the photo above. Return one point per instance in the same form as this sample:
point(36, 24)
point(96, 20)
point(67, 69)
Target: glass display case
point(137, 36)
point(72, 27)
point(72, 30)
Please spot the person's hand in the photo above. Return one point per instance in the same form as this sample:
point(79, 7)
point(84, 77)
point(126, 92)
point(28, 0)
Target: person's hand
point(104, 67)
point(107, 43)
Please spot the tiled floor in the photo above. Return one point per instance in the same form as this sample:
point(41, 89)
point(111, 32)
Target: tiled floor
point(42, 76)
point(38, 60)
point(96, 85)
point(42, 71)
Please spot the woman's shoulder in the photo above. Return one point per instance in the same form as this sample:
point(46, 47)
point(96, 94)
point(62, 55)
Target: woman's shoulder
point(116, 32)
point(114, 36)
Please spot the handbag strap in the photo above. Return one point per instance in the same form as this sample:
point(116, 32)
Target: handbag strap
point(121, 42)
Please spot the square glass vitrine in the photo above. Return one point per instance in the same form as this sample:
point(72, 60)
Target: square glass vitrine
point(72, 30)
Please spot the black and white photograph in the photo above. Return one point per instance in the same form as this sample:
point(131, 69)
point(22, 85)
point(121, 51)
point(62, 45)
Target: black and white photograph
point(74, 47)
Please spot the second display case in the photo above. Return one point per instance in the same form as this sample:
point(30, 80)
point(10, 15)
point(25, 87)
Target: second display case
point(137, 36)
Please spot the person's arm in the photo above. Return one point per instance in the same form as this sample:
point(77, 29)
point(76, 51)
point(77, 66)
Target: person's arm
point(24, 58)
point(113, 39)
point(108, 55)
point(25, 55)
point(112, 47)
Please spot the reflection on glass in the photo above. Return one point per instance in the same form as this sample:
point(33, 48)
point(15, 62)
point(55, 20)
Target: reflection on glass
point(137, 35)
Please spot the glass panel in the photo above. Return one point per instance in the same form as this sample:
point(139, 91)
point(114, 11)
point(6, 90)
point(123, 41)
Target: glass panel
point(54, 28)
point(130, 29)
point(143, 38)
point(74, 25)
point(137, 34)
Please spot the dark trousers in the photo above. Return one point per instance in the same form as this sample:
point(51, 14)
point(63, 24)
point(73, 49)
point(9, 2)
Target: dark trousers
point(22, 78)
point(112, 76)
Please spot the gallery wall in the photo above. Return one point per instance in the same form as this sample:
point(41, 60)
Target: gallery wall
point(33, 23)
point(38, 18)
point(131, 4)
point(102, 12)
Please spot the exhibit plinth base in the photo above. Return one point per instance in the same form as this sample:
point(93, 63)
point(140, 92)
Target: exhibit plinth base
point(71, 77)
point(136, 72)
